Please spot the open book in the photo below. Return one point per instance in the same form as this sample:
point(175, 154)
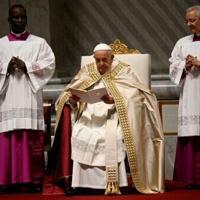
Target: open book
point(89, 96)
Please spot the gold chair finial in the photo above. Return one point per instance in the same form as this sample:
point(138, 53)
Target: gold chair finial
point(121, 48)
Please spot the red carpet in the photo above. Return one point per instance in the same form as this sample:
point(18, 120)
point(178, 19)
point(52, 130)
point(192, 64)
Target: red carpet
point(173, 191)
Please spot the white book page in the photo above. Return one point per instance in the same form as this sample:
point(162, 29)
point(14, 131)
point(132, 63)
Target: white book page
point(90, 96)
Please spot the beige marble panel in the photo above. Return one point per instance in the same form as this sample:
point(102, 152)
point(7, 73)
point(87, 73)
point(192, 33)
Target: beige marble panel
point(4, 5)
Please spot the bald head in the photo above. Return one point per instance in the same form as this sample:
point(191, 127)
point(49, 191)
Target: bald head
point(194, 8)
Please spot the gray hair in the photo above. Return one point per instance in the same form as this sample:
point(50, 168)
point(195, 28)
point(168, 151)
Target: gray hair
point(197, 8)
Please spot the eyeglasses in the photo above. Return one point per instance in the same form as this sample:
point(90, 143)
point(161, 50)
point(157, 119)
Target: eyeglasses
point(191, 21)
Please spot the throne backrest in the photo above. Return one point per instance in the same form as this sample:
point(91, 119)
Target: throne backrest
point(140, 62)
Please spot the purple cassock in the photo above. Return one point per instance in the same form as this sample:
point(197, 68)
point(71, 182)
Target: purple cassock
point(187, 162)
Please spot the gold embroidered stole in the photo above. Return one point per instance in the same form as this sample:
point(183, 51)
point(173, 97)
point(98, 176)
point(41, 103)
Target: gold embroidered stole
point(125, 125)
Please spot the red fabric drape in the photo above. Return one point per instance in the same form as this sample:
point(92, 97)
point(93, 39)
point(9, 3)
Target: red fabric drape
point(59, 169)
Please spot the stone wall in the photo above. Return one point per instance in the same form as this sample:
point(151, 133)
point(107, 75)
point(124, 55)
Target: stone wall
point(151, 26)
point(73, 27)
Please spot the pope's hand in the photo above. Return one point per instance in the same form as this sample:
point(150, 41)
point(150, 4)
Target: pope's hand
point(108, 99)
point(73, 99)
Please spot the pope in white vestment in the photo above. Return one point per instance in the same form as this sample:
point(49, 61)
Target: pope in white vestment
point(125, 122)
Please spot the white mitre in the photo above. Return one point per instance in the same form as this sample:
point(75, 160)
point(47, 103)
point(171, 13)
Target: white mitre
point(102, 46)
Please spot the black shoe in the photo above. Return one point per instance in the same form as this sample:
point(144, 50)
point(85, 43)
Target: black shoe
point(77, 191)
point(69, 191)
point(35, 188)
point(3, 190)
point(192, 187)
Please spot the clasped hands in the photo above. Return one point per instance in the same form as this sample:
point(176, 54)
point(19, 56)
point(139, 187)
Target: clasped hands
point(108, 99)
point(16, 65)
point(192, 61)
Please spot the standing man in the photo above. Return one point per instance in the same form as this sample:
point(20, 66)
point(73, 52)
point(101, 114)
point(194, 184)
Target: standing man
point(26, 65)
point(125, 122)
point(185, 72)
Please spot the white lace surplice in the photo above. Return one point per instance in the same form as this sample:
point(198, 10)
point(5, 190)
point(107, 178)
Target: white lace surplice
point(189, 106)
point(21, 102)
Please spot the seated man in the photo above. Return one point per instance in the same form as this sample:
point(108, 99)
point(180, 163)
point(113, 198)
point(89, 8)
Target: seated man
point(125, 122)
